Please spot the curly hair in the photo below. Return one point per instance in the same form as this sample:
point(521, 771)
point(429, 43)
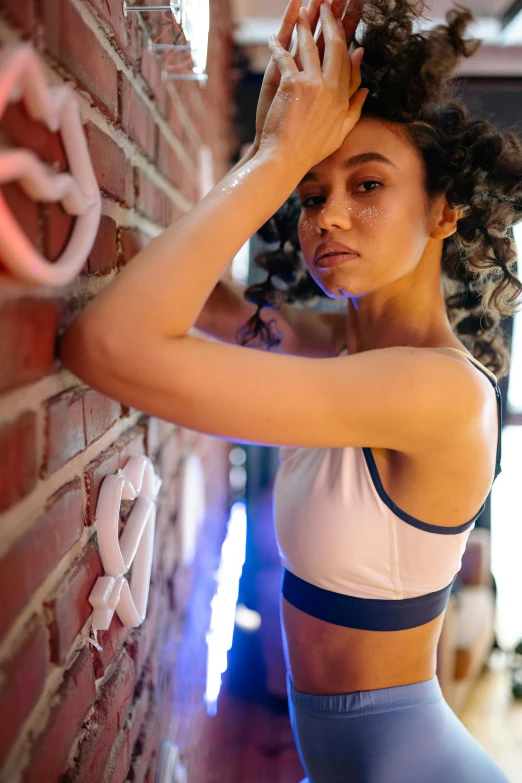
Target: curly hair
point(478, 168)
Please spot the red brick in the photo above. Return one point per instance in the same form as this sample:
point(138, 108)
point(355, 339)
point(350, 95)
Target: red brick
point(75, 697)
point(130, 444)
point(117, 767)
point(151, 68)
point(106, 464)
point(140, 709)
point(27, 347)
point(90, 757)
point(169, 164)
point(157, 431)
point(100, 413)
point(83, 55)
point(70, 608)
point(103, 256)
point(17, 459)
point(32, 558)
point(20, 13)
point(146, 747)
point(58, 228)
point(146, 634)
point(64, 430)
point(21, 130)
point(132, 241)
point(112, 707)
point(125, 32)
point(23, 679)
point(25, 211)
point(169, 457)
point(150, 777)
point(149, 200)
point(136, 118)
point(153, 202)
point(113, 171)
point(111, 642)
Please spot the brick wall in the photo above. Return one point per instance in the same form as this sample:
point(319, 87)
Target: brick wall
point(70, 712)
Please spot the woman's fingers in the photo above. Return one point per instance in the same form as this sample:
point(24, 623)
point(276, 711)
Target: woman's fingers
point(355, 73)
point(313, 19)
point(336, 61)
point(307, 48)
point(283, 59)
point(352, 16)
point(289, 21)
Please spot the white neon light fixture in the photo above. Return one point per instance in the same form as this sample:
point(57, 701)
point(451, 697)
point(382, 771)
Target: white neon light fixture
point(22, 78)
point(191, 512)
point(224, 603)
point(137, 481)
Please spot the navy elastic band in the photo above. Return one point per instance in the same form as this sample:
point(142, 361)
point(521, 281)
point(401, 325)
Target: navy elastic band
point(368, 614)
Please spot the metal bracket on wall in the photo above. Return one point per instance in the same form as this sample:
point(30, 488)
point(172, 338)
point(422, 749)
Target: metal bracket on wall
point(193, 19)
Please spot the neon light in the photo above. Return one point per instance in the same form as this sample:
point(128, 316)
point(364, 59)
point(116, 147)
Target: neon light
point(220, 634)
point(22, 78)
point(137, 481)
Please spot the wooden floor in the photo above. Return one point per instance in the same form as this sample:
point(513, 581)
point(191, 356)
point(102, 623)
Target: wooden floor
point(494, 716)
point(249, 743)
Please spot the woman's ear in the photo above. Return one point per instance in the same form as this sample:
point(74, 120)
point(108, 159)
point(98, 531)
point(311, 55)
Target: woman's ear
point(445, 220)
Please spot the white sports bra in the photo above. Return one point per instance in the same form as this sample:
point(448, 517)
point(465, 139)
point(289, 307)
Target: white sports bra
point(350, 555)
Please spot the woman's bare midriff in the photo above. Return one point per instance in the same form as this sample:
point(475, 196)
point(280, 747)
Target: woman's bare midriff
point(324, 658)
point(327, 659)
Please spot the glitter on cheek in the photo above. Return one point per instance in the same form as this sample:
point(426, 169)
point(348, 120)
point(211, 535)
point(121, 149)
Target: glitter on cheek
point(372, 215)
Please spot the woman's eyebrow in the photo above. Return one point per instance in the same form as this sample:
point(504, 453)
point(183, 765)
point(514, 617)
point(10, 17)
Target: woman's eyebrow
point(363, 157)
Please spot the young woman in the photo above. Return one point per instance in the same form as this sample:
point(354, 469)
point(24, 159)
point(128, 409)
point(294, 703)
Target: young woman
point(389, 425)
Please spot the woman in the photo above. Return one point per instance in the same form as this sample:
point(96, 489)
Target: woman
point(388, 451)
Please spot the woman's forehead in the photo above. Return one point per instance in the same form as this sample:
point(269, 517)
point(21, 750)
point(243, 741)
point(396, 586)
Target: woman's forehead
point(371, 134)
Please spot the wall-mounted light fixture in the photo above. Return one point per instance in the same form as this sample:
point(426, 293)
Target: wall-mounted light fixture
point(193, 16)
point(22, 78)
point(220, 634)
point(191, 511)
point(137, 481)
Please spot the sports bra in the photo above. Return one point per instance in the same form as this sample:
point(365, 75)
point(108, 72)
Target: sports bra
point(350, 555)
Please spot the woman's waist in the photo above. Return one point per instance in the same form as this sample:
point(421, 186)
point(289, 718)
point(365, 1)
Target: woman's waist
point(328, 658)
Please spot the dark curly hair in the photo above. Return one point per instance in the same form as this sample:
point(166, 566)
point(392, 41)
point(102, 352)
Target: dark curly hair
point(477, 167)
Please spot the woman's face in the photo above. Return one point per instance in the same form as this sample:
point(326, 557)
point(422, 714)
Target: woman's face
point(369, 195)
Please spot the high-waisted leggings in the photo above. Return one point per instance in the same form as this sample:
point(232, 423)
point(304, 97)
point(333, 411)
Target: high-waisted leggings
point(403, 734)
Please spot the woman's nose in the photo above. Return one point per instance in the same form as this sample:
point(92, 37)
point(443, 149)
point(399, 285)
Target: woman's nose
point(336, 212)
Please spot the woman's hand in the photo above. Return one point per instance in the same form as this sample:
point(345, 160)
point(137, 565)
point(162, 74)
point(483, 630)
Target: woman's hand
point(314, 109)
point(272, 77)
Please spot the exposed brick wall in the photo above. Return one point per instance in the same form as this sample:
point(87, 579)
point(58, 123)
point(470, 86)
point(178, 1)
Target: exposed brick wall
point(71, 713)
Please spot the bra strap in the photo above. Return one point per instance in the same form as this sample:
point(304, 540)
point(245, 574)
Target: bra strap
point(493, 377)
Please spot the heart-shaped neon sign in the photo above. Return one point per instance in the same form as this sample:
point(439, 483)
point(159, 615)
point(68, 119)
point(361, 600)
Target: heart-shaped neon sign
point(22, 78)
point(112, 592)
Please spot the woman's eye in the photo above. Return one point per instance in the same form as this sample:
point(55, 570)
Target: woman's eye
point(307, 203)
point(368, 182)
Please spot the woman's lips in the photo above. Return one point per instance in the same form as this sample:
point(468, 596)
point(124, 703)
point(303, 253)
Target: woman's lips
point(325, 262)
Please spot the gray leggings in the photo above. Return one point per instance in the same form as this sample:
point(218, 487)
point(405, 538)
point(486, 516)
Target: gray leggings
point(403, 734)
